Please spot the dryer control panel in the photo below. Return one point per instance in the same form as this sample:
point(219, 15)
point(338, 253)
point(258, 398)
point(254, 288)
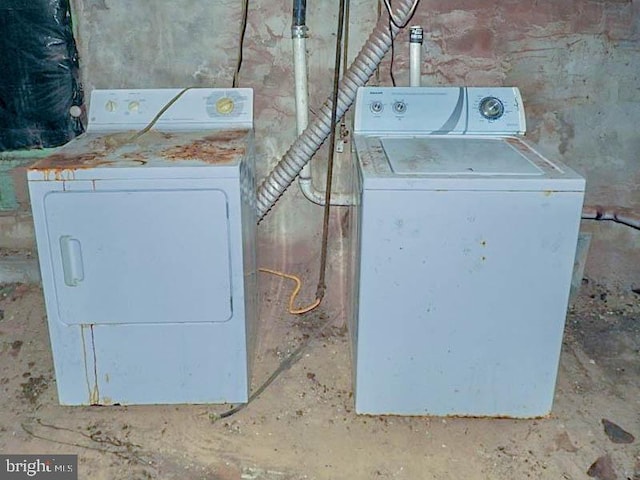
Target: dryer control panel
point(185, 109)
point(439, 111)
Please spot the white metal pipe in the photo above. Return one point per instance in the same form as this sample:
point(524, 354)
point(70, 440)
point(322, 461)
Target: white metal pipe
point(415, 56)
point(299, 36)
point(301, 81)
point(305, 180)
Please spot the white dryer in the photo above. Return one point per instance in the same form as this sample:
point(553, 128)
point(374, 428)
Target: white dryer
point(465, 240)
point(146, 246)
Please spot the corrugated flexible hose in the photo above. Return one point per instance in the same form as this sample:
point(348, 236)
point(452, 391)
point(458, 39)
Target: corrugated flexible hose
point(308, 143)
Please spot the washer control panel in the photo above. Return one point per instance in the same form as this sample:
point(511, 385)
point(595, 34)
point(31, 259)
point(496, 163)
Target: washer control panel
point(190, 109)
point(439, 111)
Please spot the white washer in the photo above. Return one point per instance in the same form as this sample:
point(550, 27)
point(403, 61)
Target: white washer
point(147, 249)
point(465, 240)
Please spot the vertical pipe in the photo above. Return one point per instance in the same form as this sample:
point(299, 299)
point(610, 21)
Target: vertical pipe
point(415, 56)
point(299, 13)
point(299, 34)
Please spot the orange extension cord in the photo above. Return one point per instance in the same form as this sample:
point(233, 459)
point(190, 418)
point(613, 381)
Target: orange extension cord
point(294, 294)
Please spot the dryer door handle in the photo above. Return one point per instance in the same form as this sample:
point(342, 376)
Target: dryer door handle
point(72, 265)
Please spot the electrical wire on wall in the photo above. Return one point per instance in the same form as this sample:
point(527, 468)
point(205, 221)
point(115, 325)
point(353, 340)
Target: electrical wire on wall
point(394, 21)
point(379, 9)
point(393, 55)
point(243, 30)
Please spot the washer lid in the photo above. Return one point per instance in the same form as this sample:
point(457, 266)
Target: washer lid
point(447, 156)
point(444, 162)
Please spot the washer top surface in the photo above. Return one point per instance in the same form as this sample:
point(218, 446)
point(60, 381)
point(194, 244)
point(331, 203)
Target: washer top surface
point(465, 162)
point(445, 156)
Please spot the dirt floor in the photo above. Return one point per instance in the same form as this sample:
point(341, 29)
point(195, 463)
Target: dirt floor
point(303, 425)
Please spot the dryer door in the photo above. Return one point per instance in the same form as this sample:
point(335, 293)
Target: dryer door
point(140, 256)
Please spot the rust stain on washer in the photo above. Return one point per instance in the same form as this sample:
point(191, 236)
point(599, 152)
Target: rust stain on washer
point(516, 143)
point(519, 146)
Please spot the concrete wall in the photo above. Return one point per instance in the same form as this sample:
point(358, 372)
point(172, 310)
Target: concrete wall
point(576, 61)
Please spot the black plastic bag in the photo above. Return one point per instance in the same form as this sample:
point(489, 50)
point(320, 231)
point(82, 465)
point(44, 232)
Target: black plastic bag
point(39, 76)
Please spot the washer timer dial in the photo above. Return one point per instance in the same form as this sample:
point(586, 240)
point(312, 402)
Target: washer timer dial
point(491, 108)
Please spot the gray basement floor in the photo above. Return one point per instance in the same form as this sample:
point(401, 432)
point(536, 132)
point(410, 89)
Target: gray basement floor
point(303, 425)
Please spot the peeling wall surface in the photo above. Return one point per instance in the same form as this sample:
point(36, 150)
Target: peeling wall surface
point(576, 62)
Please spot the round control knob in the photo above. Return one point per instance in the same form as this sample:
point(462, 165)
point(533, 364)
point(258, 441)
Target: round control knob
point(376, 107)
point(224, 106)
point(399, 107)
point(491, 108)
point(134, 106)
point(111, 106)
